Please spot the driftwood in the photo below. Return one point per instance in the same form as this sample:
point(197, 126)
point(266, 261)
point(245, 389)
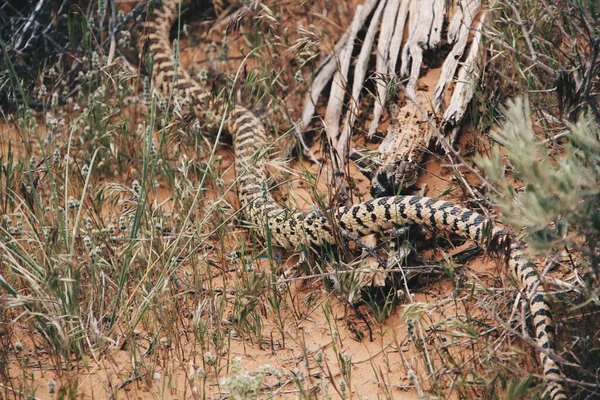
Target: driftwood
point(328, 68)
point(362, 63)
point(468, 75)
point(338, 91)
point(425, 27)
point(410, 131)
point(403, 148)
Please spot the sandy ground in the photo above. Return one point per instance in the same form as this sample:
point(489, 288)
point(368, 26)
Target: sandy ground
point(381, 368)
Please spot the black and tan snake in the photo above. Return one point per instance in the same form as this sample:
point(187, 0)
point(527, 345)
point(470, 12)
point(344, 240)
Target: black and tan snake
point(314, 228)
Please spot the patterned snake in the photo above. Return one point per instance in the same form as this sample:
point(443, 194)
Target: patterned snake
point(314, 228)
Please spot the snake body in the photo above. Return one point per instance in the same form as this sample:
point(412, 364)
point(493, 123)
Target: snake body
point(290, 229)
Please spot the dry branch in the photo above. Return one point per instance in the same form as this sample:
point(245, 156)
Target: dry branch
point(328, 68)
point(408, 135)
point(362, 64)
point(458, 33)
point(381, 66)
point(468, 76)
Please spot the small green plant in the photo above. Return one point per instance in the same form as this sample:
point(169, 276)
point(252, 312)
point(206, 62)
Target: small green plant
point(243, 385)
point(558, 207)
point(552, 202)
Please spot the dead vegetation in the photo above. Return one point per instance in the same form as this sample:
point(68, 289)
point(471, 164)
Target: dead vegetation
point(125, 271)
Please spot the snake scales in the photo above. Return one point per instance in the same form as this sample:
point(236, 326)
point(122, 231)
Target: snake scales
point(314, 228)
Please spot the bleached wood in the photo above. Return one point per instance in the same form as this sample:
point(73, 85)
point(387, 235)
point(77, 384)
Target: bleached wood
point(327, 69)
point(457, 20)
point(382, 60)
point(338, 92)
point(362, 64)
point(419, 25)
point(425, 26)
point(460, 33)
point(409, 133)
point(396, 43)
point(385, 35)
point(407, 138)
point(435, 31)
point(468, 76)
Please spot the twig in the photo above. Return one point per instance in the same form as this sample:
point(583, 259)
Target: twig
point(112, 26)
point(30, 21)
point(22, 393)
point(588, 79)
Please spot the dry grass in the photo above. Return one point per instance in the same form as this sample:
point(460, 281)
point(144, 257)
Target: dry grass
point(126, 272)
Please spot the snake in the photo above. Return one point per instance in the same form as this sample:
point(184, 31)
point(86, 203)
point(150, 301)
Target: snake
point(315, 228)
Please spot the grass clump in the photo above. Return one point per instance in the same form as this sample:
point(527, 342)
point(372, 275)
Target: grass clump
point(547, 51)
point(245, 386)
